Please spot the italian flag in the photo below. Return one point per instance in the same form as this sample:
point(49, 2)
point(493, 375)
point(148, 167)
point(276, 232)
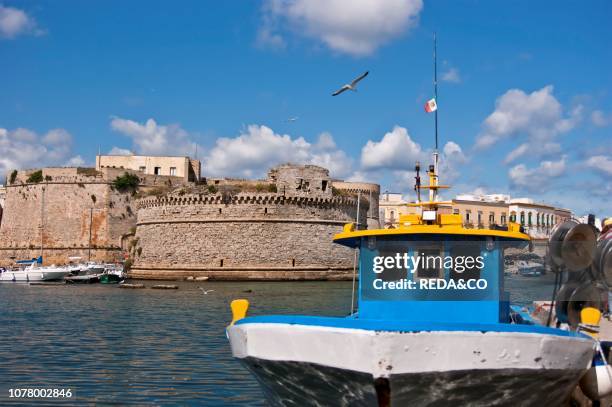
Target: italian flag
point(431, 106)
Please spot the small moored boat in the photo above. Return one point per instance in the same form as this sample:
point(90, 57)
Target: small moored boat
point(33, 272)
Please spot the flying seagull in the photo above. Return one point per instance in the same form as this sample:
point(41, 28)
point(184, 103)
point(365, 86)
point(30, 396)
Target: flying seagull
point(205, 291)
point(351, 86)
point(292, 119)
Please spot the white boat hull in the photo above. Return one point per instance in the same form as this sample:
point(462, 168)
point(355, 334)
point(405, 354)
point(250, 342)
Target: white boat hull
point(322, 365)
point(25, 276)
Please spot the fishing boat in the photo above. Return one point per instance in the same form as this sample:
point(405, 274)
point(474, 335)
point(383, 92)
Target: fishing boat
point(113, 274)
point(417, 337)
point(33, 272)
point(433, 325)
point(110, 278)
point(83, 273)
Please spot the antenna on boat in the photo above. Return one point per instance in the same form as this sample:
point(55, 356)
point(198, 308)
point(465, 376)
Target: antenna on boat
point(433, 192)
point(431, 106)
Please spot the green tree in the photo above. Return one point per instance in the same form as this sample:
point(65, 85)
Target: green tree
point(35, 177)
point(126, 182)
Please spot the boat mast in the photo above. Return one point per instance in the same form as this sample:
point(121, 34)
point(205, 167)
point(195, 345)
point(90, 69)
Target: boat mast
point(42, 219)
point(433, 181)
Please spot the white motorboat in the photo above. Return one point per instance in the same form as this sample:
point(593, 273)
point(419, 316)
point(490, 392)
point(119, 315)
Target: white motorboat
point(34, 272)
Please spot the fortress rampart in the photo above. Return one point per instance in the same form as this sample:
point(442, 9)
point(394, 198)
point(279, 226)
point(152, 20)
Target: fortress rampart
point(57, 215)
point(280, 228)
point(369, 192)
point(246, 236)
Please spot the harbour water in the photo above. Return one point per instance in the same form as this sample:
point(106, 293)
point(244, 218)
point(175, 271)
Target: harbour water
point(154, 347)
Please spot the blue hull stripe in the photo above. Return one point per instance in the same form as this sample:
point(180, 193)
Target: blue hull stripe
point(404, 326)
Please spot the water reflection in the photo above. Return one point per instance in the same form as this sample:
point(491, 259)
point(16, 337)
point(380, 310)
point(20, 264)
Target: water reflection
point(152, 347)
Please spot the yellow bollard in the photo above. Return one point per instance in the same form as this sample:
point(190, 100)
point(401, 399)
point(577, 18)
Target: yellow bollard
point(589, 321)
point(239, 309)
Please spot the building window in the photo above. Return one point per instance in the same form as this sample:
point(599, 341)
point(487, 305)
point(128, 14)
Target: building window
point(324, 185)
point(522, 218)
point(479, 217)
point(503, 219)
point(142, 168)
point(467, 216)
point(173, 171)
point(157, 171)
point(491, 218)
point(456, 211)
point(529, 219)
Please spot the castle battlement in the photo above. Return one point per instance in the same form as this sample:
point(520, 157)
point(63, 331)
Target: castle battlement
point(246, 199)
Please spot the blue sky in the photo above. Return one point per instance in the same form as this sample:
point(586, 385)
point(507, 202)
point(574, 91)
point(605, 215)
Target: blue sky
point(525, 106)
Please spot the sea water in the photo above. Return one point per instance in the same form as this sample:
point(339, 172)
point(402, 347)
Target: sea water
point(151, 347)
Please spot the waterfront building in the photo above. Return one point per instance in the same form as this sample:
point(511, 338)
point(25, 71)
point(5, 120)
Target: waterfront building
point(483, 211)
point(391, 206)
point(538, 219)
point(183, 167)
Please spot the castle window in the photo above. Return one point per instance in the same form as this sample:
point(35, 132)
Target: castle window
point(142, 168)
point(157, 171)
point(173, 171)
point(324, 185)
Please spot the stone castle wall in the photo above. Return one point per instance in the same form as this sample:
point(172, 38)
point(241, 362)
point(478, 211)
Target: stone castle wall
point(369, 192)
point(245, 236)
point(59, 212)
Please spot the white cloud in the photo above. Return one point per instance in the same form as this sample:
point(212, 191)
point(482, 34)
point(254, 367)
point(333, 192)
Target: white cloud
point(267, 35)
point(357, 27)
point(258, 148)
point(15, 22)
point(22, 149)
point(120, 151)
point(395, 151)
point(536, 179)
point(538, 115)
point(601, 164)
point(150, 138)
point(452, 75)
point(600, 119)
point(545, 149)
point(76, 161)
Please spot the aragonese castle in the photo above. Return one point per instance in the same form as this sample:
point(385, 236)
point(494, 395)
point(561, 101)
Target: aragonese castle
point(168, 223)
